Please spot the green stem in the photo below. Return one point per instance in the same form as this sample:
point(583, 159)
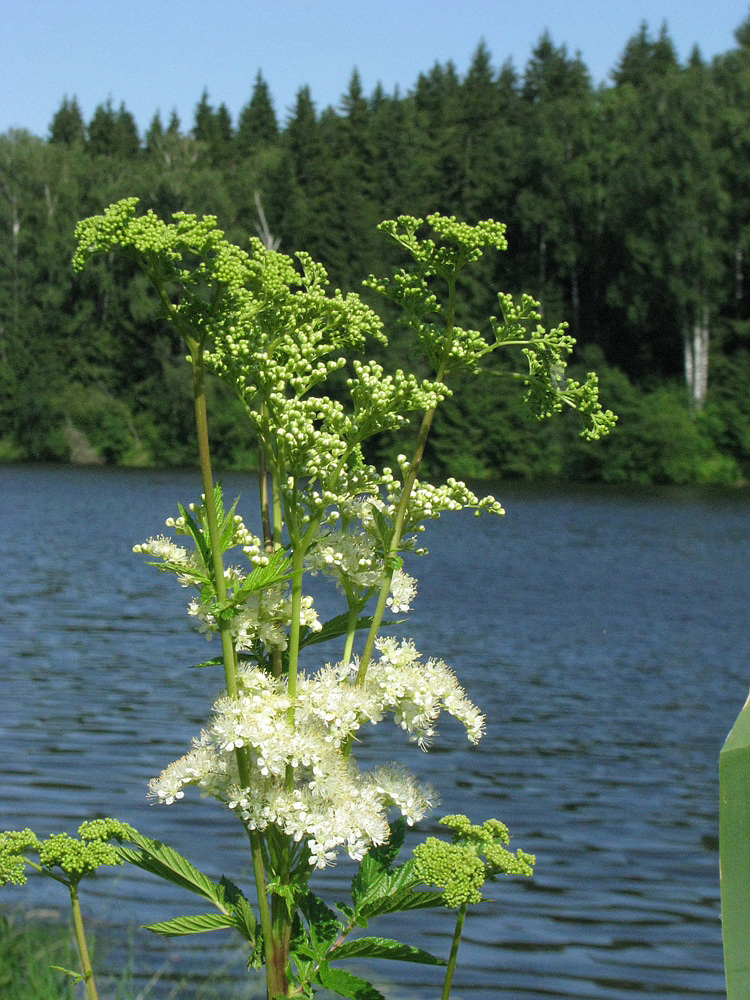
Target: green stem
point(411, 476)
point(460, 917)
point(269, 535)
point(281, 930)
point(88, 972)
point(351, 629)
point(201, 426)
point(275, 984)
point(392, 553)
point(278, 516)
point(294, 628)
point(265, 513)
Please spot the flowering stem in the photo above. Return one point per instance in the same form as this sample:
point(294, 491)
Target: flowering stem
point(201, 426)
point(398, 530)
point(351, 629)
point(411, 477)
point(88, 972)
point(391, 555)
point(460, 917)
point(265, 513)
point(297, 571)
point(275, 984)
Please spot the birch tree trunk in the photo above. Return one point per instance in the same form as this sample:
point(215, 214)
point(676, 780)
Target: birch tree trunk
point(695, 338)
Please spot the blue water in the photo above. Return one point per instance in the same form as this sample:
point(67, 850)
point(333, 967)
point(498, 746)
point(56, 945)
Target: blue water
point(605, 634)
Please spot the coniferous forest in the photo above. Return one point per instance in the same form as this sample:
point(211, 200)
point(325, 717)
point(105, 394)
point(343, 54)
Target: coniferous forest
point(628, 214)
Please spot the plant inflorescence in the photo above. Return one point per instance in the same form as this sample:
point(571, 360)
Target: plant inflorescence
point(277, 747)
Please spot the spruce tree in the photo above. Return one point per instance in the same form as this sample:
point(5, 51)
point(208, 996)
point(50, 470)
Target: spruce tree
point(67, 125)
point(113, 133)
point(256, 125)
point(558, 180)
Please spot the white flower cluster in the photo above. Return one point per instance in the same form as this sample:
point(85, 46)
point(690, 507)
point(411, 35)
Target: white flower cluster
point(262, 618)
point(163, 548)
point(403, 591)
point(329, 804)
point(187, 567)
point(418, 692)
point(352, 561)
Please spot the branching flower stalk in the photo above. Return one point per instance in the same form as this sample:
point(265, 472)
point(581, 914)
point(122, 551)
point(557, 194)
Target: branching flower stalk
point(275, 955)
point(276, 749)
point(460, 868)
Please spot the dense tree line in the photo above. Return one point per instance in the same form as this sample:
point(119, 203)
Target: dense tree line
point(628, 213)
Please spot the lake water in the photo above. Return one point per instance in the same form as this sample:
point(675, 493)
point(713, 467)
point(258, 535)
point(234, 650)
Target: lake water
point(606, 635)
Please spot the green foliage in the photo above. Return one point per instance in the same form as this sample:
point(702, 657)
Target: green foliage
point(257, 125)
point(378, 888)
point(347, 985)
point(27, 951)
point(616, 201)
point(159, 859)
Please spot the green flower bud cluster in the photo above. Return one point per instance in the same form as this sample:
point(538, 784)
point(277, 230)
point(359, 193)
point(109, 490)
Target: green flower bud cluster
point(457, 242)
point(13, 845)
point(249, 304)
point(459, 872)
point(450, 348)
point(546, 353)
point(191, 251)
point(475, 854)
point(381, 402)
point(447, 347)
point(75, 858)
point(282, 328)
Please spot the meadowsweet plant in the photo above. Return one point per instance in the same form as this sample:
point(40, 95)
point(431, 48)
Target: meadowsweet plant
point(460, 868)
point(66, 860)
point(277, 746)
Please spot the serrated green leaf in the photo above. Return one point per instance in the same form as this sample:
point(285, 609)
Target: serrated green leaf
point(385, 854)
point(373, 869)
point(75, 976)
point(242, 911)
point(324, 926)
point(196, 533)
point(255, 959)
point(347, 985)
point(197, 924)
point(337, 627)
point(277, 571)
point(218, 661)
point(375, 947)
point(403, 877)
point(380, 892)
point(166, 863)
point(420, 899)
point(226, 521)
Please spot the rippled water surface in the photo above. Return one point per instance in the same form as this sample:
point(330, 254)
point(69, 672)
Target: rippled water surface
point(605, 634)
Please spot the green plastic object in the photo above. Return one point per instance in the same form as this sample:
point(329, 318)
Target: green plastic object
point(734, 855)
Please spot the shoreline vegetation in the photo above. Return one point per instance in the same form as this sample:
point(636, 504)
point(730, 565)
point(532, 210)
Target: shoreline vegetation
point(658, 440)
point(38, 943)
point(627, 208)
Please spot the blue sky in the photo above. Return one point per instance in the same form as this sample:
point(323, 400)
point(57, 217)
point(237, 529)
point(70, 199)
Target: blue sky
point(160, 54)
